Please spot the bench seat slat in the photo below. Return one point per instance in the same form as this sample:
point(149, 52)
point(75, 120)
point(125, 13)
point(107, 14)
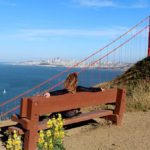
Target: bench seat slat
point(23, 121)
point(88, 116)
point(18, 130)
point(80, 118)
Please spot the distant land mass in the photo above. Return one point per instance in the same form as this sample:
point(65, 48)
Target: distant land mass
point(58, 62)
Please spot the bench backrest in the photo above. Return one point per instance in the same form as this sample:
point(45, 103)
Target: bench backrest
point(39, 105)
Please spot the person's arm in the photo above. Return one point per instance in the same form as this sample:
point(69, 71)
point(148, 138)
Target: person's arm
point(47, 94)
point(59, 92)
point(88, 89)
point(56, 93)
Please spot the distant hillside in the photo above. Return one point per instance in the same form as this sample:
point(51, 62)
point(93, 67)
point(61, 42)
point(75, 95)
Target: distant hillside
point(137, 82)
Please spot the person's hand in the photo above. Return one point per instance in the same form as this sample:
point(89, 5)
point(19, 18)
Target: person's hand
point(47, 95)
point(102, 89)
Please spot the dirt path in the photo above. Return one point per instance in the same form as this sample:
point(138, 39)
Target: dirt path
point(134, 134)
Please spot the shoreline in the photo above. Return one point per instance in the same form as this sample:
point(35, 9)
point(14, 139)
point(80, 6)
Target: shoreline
point(61, 66)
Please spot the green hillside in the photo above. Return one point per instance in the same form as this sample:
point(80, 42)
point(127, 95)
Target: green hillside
point(137, 82)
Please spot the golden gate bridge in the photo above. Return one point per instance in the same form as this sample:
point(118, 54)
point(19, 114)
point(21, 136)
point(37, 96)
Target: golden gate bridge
point(128, 48)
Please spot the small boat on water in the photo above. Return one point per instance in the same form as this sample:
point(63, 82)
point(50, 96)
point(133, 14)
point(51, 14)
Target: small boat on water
point(4, 91)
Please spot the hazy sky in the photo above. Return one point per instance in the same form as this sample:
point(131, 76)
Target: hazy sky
point(39, 29)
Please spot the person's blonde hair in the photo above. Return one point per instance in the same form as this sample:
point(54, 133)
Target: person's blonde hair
point(71, 82)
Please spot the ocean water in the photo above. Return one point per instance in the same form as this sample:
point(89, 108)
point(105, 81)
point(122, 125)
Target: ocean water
point(16, 79)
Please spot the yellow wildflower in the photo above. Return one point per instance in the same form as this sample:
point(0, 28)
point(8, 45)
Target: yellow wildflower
point(60, 124)
point(40, 140)
point(56, 128)
point(56, 134)
point(50, 141)
point(18, 141)
point(14, 142)
point(62, 134)
point(15, 136)
point(54, 121)
point(9, 141)
point(51, 146)
point(59, 116)
point(9, 144)
point(45, 145)
point(48, 133)
point(49, 123)
point(41, 134)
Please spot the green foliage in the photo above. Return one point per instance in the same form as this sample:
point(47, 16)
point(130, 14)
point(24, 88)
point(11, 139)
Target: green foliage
point(136, 80)
point(52, 139)
point(14, 142)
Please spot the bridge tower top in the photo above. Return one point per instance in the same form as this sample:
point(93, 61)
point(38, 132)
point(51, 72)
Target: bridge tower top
point(149, 39)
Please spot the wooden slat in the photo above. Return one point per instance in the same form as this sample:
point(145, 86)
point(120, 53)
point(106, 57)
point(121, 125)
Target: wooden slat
point(72, 101)
point(80, 118)
point(88, 116)
point(23, 108)
point(18, 130)
point(23, 121)
point(7, 123)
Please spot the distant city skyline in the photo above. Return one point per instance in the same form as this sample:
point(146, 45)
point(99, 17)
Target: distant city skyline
point(34, 30)
point(58, 62)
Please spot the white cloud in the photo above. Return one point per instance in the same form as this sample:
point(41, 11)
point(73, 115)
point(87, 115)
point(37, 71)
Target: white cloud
point(140, 4)
point(7, 3)
point(42, 34)
point(45, 34)
point(96, 3)
point(112, 3)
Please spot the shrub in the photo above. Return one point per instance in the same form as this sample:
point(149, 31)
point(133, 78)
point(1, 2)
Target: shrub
point(52, 139)
point(14, 142)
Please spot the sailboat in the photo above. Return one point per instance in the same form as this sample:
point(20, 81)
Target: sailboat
point(4, 91)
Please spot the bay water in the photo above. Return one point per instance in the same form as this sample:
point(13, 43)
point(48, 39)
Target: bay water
point(16, 79)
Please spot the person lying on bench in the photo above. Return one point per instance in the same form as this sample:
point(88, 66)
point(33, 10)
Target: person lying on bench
point(70, 86)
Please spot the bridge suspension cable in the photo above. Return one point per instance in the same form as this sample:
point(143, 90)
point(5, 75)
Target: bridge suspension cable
point(77, 64)
point(113, 50)
point(83, 69)
point(69, 68)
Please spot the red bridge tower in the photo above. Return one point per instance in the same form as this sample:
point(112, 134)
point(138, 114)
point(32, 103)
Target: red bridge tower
point(149, 39)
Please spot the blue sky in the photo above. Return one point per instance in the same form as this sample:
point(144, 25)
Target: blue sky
point(41, 29)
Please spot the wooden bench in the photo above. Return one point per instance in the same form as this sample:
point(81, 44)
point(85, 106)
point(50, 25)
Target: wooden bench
point(33, 107)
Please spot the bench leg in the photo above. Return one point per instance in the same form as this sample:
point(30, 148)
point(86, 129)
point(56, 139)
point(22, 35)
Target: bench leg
point(30, 140)
point(120, 106)
point(115, 119)
point(119, 120)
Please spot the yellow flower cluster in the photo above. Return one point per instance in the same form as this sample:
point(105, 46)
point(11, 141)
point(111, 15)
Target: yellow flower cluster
point(53, 136)
point(14, 142)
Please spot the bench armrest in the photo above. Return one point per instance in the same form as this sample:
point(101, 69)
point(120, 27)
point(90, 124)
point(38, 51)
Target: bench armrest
point(23, 121)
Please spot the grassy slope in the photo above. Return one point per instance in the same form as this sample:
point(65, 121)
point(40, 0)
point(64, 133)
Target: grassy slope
point(137, 82)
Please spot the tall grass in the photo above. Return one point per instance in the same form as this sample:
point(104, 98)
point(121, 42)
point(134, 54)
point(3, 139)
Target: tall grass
point(136, 80)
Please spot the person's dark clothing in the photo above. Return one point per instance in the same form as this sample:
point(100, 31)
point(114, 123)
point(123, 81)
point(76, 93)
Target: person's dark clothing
point(78, 89)
point(87, 89)
point(73, 112)
point(59, 92)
